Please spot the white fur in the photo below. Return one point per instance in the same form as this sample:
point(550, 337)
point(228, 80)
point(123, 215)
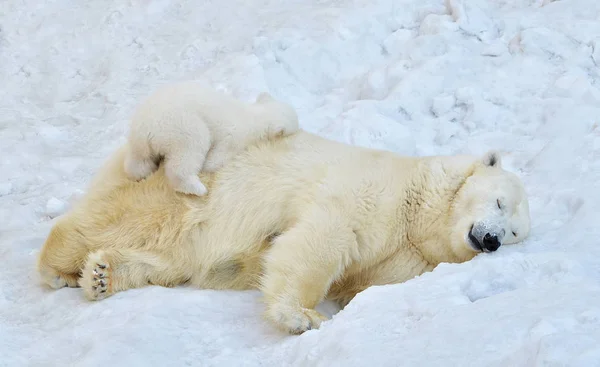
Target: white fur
point(195, 128)
point(301, 218)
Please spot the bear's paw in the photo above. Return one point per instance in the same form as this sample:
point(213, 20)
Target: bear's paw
point(295, 320)
point(96, 277)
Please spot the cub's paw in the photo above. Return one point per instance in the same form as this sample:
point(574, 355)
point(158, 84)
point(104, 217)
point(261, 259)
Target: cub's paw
point(191, 186)
point(295, 320)
point(96, 279)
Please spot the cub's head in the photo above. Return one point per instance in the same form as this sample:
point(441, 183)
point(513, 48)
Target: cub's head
point(489, 210)
point(280, 118)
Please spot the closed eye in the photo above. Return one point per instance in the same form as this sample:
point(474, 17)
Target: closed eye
point(514, 234)
point(499, 203)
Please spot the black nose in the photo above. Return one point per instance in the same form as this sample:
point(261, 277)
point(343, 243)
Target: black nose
point(490, 242)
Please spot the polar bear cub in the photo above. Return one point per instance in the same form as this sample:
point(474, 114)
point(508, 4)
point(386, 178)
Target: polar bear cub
point(195, 128)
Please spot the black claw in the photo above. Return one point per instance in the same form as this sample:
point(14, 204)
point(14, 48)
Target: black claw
point(101, 266)
point(102, 283)
point(104, 291)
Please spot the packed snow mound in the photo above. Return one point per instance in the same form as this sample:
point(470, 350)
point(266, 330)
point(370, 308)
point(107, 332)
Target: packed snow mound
point(417, 77)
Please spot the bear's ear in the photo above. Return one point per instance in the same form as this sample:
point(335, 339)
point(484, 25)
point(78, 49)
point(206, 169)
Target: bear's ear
point(492, 159)
point(264, 97)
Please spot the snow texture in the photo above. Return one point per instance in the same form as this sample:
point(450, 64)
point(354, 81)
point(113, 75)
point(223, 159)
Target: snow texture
point(417, 77)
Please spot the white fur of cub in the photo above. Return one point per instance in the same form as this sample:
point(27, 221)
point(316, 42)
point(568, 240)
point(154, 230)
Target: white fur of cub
point(195, 128)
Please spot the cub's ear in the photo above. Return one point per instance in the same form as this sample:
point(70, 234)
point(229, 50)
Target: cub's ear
point(492, 159)
point(264, 97)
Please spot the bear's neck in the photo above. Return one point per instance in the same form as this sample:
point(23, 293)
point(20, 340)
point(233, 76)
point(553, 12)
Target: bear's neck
point(421, 244)
point(425, 208)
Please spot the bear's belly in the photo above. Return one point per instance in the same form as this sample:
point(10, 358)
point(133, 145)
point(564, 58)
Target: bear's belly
point(239, 271)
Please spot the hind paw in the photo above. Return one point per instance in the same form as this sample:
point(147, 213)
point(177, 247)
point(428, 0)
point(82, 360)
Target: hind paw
point(58, 280)
point(96, 279)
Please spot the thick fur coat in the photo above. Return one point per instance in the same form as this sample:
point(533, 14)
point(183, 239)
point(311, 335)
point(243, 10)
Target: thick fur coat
point(301, 218)
point(193, 128)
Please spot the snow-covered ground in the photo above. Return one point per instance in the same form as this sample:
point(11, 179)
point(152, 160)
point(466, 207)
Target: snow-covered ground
point(417, 77)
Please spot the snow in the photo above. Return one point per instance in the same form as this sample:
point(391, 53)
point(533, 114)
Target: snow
point(55, 207)
point(417, 77)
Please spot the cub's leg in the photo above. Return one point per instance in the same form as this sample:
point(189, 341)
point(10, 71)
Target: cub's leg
point(221, 152)
point(109, 271)
point(185, 157)
point(302, 265)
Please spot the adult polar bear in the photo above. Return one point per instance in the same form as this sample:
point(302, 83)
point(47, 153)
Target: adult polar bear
point(299, 217)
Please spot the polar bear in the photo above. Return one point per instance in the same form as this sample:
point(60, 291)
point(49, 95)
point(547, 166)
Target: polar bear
point(194, 127)
point(300, 217)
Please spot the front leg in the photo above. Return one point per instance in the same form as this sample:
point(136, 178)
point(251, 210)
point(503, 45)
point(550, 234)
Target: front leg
point(220, 154)
point(302, 265)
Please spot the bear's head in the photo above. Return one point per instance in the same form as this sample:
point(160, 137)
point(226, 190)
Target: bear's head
point(280, 118)
point(490, 209)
